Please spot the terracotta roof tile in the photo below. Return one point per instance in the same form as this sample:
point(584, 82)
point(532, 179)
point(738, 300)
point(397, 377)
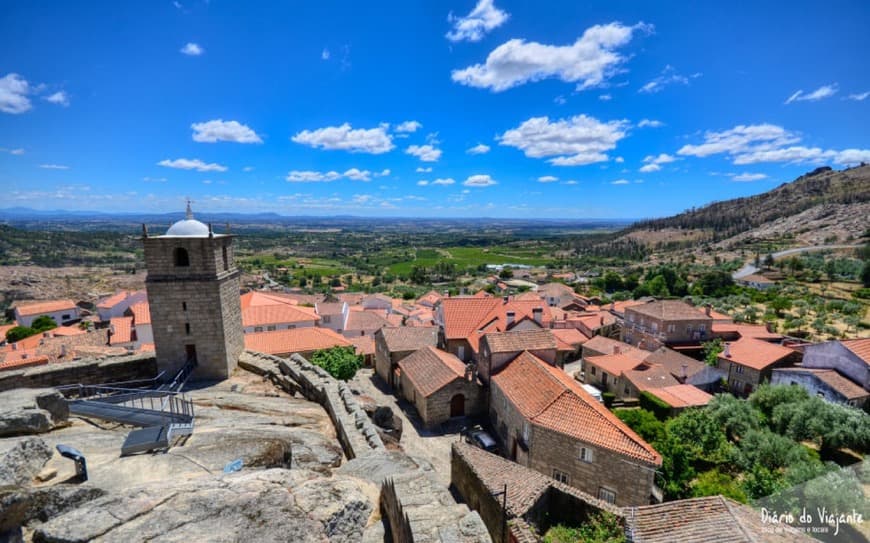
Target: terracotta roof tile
point(62, 331)
point(680, 396)
point(674, 362)
point(45, 307)
point(520, 340)
point(366, 320)
point(409, 339)
point(295, 340)
point(649, 377)
point(744, 330)
point(669, 310)
point(615, 364)
point(833, 379)
point(754, 353)
point(548, 397)
point(115, 299)
point(463, 315)
point(606, 345)
point(431, 369)
point(141, 313)
point(123, 327)
point(365, 345)
point(261, 309)
point(861, 348)
point(569, 338)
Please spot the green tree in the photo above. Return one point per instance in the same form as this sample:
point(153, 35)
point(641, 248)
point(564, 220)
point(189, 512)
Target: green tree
point(43, 323)
point(735, 416)
point(643, 422)
point(865, 274)
point(658, 287)
point(677, 471)
point(714, 482)
point(340, 362)
point(19, 332)
point(716, 283)
point(600, 527)
point(702, 435)
point(612, 282)
point(712, 350)
point(767, 397)
point(780, 304)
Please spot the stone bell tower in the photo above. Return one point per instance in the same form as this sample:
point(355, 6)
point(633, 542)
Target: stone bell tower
point(193, 293)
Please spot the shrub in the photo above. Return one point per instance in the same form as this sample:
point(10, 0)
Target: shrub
point(43, 323)
point(19, 332)
point(643, 422)
point(608, 398)
point(340, 362)
point(653, 404)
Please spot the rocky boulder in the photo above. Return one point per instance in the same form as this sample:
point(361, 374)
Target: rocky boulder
point(31, 411)
point(20, 464)
point(269, 505)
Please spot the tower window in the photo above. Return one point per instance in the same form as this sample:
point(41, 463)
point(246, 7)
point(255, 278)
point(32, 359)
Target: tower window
point(181, 257)
point(187, 328)
point(184, 306)
point(226, 258)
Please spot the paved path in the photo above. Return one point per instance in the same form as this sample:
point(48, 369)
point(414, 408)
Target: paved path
point(749, 269)
point(416, 440)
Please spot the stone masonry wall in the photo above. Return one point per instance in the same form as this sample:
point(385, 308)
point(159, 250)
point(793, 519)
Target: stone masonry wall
point(87, 372)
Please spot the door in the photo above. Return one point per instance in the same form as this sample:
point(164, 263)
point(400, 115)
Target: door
point(457, 406)
point(190, 351)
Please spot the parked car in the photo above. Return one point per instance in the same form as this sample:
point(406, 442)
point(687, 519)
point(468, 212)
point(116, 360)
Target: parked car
point(479, 438)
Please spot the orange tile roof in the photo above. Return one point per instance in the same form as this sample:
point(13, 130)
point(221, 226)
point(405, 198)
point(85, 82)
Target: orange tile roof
point(463, 315)
point(569, 338)
point(115, 299)
point(548, 397)
point(141, 313)
point(43, 308)
point(650, 377)
point(754, 353)
point(295, 340)
point(757, 331)
point(20, 360)
point(64, 331)
point(521, 340)
point(22, 345)
point(832, 378)
point(365, 345)
point(680, 396)
point(669, 310)
point(408, 339)
point(5, 328)
point(146, 348)
point(861, 348)
point(123, 329)
point(430, 298)
point(367, 320)
point(260, 309)
point(606, 345)
point(431, 369)
point(614, 364)
point(596, 320)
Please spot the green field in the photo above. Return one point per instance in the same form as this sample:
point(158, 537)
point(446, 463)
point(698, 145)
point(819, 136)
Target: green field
point(471, 257)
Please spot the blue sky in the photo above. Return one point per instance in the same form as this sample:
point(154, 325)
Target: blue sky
point(461, 108)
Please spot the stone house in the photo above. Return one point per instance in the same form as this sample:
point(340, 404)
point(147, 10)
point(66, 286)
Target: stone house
point(687, 370)
point(546, 421)
point(394, 344)
point(749, 362)
point(463, 321)
point(332, 315)
point(826, 383)
point(440, 386)
point(665, 322)
point(499, 348)
point(851, 358)
point(758, 282)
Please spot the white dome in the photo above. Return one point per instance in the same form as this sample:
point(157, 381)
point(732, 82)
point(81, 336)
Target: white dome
point(189, 228)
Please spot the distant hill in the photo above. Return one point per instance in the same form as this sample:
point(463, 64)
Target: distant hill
point(821, 186)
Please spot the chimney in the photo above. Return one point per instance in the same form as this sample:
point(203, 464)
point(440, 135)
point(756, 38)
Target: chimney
point(685, 368)
point(505, 299)
point(616, 349)
point(510, 317)
point(538, 315)
point(727, 351)
point(63, 350)
point(602, 320)
point(23, 356)
point(15, 346)
point(708, 308)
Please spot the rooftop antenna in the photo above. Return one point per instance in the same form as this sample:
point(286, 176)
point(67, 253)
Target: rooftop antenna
point(188, 214)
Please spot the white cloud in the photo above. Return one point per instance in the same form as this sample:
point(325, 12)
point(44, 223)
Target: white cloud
point(573, 142)
point(478, 149)
point(605, 97)
point(421, 169)
point(560, 100)
point(748, 176)
point(570, 182)
point(479, 180)
point(192, 164)
point(669, 76)
point(752, 144)
point(620, 182)
point(825, 91)
point(589, 61)
point(324, 55)
point(859, 97)
point(362, 140)
point(13, 94)
point(426, 153)
point(60, 98)
point(192, 49)
point(619, 160)
point(248, 169)
point(12, 151)
point(444, 182)
point(354, 174)
point(547, 179)
point(422, 183)
point(408, 126)
point(154, 179)
point(483, 18)
point(53, 167)
point(220, 130)
point(653, 163)
point(650, 123)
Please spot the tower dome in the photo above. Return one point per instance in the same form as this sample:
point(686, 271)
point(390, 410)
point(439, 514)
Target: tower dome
point(188, 227)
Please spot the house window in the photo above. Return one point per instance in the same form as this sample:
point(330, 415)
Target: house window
point(561, 476)
point(689, 329)
point(526, 432)
point(592, 370)
point(625, 390)
point(586, 454)
point(291, 326)
point(187, 328)
point(607, 495)
point(64, 317)
point(258, 328)
point(460, 352)
point(672, 328)
point(655, 327)
point(702, 328)
point(271, 328)
point(325, 319)
point(739, 369)
point(504, 402)
point(180, 256)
